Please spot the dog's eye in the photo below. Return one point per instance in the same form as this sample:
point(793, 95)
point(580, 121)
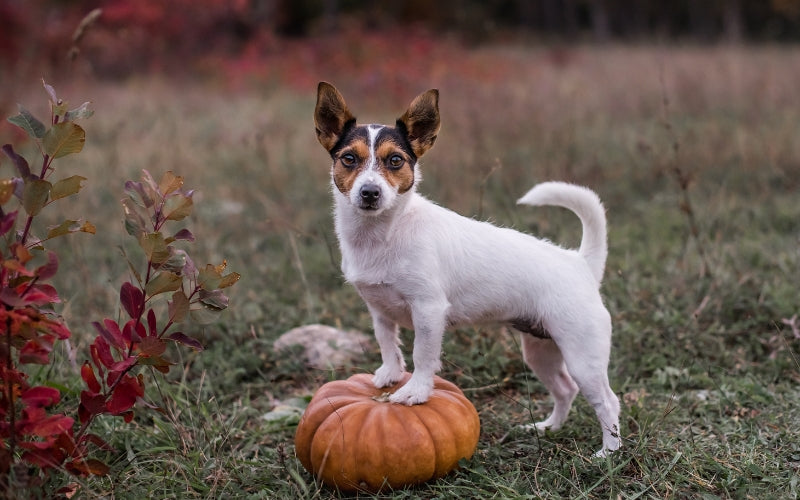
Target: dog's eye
point(348, 159)
point(396, 161)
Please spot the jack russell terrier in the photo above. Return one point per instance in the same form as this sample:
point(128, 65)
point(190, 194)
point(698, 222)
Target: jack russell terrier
point(426, 268)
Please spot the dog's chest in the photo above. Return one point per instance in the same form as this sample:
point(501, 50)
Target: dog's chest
point(387, 299)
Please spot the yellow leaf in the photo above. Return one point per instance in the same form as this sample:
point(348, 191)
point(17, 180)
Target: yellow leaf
point(6, 190)
point(63, 139)
point(169, 183)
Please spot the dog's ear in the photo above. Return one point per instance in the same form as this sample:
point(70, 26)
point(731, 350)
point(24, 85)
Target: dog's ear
point(331, 115)
point(421, 121)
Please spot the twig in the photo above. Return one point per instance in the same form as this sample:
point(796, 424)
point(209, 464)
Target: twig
point(683, 178)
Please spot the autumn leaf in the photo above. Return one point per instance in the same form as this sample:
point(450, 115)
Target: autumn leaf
point(178, 307)
point(177, 207)
point(64, 139)
point(87, 374)
point(34, 195)
point(29, 123)
point(186, 340)
point(66, 187)
point(88, 466)
point(163, 282)
point(154, 247)
point(152, 347)
point(132, 299)
point(170, 183)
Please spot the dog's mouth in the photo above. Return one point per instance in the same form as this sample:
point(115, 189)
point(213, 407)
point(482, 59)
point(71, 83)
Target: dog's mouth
point(369, 207)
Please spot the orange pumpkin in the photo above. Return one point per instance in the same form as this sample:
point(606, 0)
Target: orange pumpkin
point(353, 438)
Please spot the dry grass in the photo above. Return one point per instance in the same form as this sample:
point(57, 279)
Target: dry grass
point(706, 367)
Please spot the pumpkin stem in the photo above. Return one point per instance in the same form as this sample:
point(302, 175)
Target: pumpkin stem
point(383, 398)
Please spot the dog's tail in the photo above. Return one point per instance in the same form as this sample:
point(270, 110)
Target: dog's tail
point(587, 206)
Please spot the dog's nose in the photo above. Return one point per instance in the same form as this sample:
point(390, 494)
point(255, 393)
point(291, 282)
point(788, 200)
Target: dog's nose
point(370, 193)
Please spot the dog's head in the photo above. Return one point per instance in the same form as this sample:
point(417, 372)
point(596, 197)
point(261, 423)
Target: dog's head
point(374, 164)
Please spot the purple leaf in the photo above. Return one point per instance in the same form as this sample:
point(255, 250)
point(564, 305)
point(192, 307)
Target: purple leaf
point(184, 234)
point(132, 299)
point(7, 222)
point(181, 338)
point(19, 162)
point(108, 336)
point(151, 322)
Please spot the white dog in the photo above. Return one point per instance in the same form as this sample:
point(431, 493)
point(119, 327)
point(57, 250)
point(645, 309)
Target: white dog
point(423, 267)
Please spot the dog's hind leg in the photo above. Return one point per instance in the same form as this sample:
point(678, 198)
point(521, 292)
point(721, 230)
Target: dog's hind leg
point(544, 357)
point(586, 352)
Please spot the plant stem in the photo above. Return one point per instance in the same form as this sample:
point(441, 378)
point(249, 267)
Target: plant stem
point(12, 435)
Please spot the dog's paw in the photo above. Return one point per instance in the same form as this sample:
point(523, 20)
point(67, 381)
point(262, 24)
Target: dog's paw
point(386, 376)
point(605, 452)
point(413, 393)
point(542, 427)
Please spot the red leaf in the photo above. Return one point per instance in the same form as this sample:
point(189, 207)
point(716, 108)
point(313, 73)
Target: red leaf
point(113, 338)
point(40, 396)
point(87, 373)
point(47, 271)
point(86, 467)
point(152, 346)
point(186, 340)
point(40, 294)
point(37, 351)
point(91, 405)
point(7, 222)
point(133, 331)
point(116, 333)
point(122, 366)
point(97, 441)
point(151, 322)
point(44, 458)
point(65, 442)
point(124, 396)
point(101, 352)
point(59, 330)
point(132, 299)
point(50, 426)
point(39, 445)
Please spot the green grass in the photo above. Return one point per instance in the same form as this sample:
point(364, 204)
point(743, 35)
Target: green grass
point(707, 371)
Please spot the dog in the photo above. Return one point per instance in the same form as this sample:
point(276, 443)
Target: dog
point(420, 266)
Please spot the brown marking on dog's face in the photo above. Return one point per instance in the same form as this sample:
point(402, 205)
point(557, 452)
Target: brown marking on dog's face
point(396, 165)
point(349, 161)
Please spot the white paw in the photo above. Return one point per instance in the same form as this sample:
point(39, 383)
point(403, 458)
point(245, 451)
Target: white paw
point(605, 452)
point(542, 427)
point(387, 375)
point(413, 393)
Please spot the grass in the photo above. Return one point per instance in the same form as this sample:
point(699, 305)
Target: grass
point(708, 372)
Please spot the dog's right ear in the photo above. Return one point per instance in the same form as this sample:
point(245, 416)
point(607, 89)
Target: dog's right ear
point(331, 115)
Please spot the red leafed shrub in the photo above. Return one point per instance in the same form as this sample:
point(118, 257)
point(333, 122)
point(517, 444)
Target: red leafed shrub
point(33, 439)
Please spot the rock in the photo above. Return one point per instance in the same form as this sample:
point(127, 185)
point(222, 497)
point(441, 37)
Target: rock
point(325, 346)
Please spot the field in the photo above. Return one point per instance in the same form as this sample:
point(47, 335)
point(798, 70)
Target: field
point(695, 153)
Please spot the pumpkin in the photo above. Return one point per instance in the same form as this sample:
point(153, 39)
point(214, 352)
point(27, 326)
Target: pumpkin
point(354, 439)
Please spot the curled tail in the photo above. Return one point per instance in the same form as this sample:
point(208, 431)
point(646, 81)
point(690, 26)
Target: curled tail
point(587, 206)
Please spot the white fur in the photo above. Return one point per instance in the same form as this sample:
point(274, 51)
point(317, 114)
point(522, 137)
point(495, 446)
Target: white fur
point(423, 267)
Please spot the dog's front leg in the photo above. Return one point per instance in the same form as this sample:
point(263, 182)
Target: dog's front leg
point(429, 319)
point(387, 335)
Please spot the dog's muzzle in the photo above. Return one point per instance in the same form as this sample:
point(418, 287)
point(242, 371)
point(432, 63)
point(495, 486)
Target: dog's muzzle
point(369, 196)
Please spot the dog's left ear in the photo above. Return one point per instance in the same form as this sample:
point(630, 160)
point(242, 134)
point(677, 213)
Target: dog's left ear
point(331, 115)
point(421, 122)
